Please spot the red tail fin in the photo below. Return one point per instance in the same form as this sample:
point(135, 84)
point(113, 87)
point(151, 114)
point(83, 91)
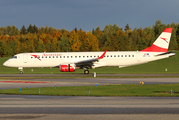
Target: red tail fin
point(162, 42)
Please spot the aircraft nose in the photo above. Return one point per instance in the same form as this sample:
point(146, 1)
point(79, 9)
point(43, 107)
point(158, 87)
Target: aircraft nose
point(5, 63)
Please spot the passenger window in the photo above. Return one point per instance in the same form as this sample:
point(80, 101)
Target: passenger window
point(118, 55)
point(121, 55)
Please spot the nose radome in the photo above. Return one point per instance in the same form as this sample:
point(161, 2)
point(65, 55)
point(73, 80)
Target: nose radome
point(5, 63)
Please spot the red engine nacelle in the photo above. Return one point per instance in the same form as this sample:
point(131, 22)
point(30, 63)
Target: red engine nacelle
point(67, 68)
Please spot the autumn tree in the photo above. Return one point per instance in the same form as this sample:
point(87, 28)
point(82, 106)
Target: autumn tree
point(12, 30)
point(173, 41)
point(177, 34)
point(2, 31)
point(107, 40)
point(76, 29)
point(54, 47)
point(40, 46)
point(46, 30)
point(127, 28)
point(91, 43)
point(30, 29)
point(74, 41)
point(82, 37)
point(23, 30)
point(63, 44)
point(35, 29)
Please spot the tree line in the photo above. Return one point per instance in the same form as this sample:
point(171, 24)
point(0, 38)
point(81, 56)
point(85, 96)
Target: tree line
point(111, 38)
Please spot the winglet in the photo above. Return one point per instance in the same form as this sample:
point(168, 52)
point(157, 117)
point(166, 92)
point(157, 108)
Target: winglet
point(102, 55)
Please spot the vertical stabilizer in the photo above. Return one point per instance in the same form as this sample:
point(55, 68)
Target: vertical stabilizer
point(161, 44)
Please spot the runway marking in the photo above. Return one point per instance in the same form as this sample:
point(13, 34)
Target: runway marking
point(20, 81)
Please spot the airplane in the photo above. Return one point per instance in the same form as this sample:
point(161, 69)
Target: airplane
point(71, 61)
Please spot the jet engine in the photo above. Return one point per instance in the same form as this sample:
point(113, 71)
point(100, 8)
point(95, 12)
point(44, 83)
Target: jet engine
point(67, 68)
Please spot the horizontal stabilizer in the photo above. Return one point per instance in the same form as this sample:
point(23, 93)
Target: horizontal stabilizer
point(171, 53)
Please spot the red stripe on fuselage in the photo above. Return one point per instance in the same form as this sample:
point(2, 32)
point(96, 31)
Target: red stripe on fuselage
point(154, 48)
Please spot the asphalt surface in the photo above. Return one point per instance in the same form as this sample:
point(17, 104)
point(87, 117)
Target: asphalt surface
point(89, 108)
point(76, 75)
point(15, 83)
point(18, 104)
point(70, 107)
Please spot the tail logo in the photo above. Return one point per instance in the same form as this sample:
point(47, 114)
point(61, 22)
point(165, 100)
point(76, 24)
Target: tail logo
point(165, 39)
point(36, 56)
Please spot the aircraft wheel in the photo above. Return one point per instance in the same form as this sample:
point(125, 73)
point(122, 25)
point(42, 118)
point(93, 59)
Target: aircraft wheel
point(21, 72)
point(86, 72)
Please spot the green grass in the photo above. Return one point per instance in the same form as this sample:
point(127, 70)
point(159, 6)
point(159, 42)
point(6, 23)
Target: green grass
point(155, 67)
point(162, 90)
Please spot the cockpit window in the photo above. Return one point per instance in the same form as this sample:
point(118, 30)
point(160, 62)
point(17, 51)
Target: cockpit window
point(14, 57)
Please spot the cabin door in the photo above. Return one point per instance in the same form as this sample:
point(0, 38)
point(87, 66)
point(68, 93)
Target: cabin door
point(138, 56)
point(25, 58)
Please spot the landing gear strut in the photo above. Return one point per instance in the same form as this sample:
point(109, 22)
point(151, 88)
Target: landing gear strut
point(86, 72)
point(21, 70)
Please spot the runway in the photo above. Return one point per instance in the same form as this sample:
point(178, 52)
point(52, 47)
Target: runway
point(90, 108)
point(15, 83)
point(70, 107)
point(77, 75)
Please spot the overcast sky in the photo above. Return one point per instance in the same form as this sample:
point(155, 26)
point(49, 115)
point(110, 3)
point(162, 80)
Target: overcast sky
point(87, 14)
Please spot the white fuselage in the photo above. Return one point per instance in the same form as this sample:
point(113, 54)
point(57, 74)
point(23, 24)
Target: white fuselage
point(54, 59)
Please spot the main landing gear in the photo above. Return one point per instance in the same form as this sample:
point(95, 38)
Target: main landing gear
point(21, 70)
point(86, 72)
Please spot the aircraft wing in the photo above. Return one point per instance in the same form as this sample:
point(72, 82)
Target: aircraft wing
point(89, 62)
